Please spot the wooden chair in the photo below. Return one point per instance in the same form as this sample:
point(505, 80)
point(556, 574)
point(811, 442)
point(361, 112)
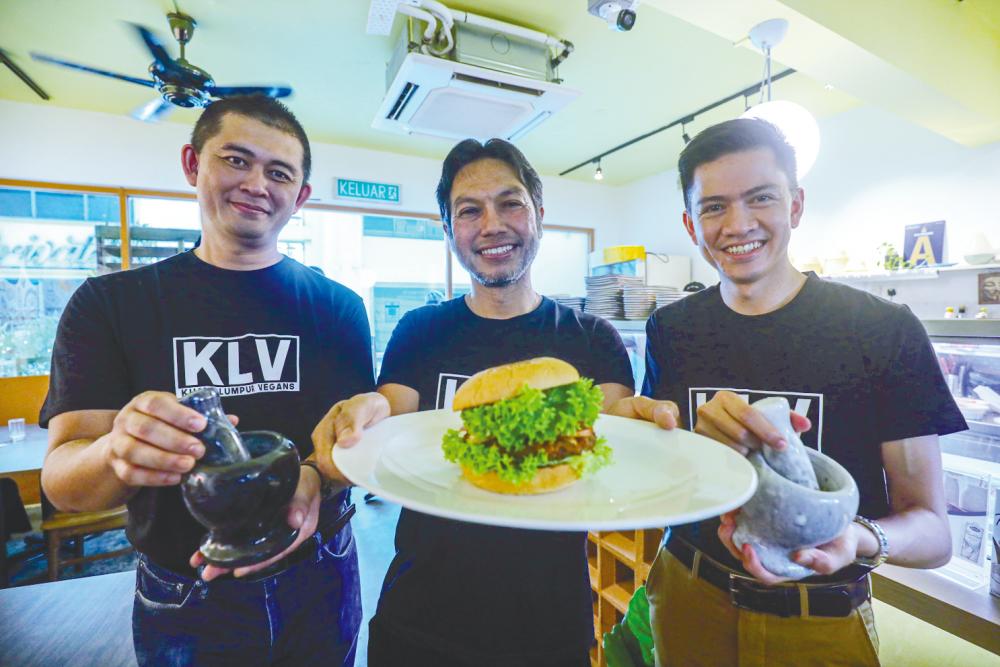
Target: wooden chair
point(63, 526)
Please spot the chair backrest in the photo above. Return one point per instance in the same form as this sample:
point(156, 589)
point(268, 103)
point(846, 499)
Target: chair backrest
point(22, 397)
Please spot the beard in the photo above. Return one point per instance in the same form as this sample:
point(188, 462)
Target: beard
point(507, 277)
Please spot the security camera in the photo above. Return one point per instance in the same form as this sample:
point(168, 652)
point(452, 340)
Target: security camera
point(618, 14)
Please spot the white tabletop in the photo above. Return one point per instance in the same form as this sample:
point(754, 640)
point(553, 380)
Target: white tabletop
point(27, 454)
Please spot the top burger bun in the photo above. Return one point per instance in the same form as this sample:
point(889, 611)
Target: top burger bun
point(502, 382)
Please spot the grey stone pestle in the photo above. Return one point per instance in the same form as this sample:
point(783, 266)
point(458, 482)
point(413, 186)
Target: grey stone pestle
point(792, 463)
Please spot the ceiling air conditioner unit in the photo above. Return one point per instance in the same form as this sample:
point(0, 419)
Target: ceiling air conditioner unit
point(444, 98)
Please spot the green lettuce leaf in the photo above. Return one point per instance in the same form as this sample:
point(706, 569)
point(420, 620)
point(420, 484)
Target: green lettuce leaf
point(530, 416)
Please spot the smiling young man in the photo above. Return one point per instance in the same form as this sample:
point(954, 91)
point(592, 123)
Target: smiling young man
point(460, 593)
point(859, 370)
point(279, 341)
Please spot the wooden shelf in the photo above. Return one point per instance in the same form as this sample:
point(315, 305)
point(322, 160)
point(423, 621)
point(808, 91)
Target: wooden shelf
point(619, 564)
point(621, 545)
point(618, 596)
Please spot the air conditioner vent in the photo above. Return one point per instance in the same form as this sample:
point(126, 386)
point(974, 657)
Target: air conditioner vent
point(402, 100)
point(454, 100)
point(467, 78)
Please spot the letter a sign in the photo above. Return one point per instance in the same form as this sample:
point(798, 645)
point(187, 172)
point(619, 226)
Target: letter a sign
point(923, 244)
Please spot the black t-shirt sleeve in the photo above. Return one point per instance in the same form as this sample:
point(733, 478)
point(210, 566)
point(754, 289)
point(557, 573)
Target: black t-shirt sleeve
point(88, 362)
point(611, 363)
point(399, 363)
point(911, 391)
point(356, 343)
point(652, 376)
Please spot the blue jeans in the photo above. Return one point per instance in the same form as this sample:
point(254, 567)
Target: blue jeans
point(309, 614)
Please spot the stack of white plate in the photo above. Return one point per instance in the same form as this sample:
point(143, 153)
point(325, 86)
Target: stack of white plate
point(604, 294)
point(665, 295)
point(574, 302)
point(641, 300)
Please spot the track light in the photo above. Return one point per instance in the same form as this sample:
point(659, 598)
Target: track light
point(684, 134)
point(598, 173)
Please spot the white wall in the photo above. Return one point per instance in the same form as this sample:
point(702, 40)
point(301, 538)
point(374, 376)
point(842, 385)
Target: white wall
point(875, 174)
point(47, 143)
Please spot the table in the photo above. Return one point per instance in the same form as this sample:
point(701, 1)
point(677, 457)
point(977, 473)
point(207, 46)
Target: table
point(85, 621)
point(22, 461)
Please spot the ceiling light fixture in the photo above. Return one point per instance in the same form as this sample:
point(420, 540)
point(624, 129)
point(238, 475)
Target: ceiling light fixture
point(684, 133)
point(795, 122)
point(598, 173)
point(687, 118)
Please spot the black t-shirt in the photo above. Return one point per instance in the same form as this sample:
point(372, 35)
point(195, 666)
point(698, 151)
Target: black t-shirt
point(861, 368)
point(282, 344)
point(484, 594)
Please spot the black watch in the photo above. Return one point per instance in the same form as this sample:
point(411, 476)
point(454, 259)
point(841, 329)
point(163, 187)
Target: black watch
point(326, 490)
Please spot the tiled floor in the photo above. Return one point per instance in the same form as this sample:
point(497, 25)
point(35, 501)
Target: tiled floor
point(374, 529)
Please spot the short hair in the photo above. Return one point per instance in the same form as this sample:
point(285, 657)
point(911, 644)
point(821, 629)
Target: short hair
point(734, 136)
point(472, 150)
point(261, 108)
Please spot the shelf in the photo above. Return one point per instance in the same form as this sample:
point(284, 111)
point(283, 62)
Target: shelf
point(638, 326)
point(972, 614)
point(618, 596)
point(922, 273)
point(621, 546)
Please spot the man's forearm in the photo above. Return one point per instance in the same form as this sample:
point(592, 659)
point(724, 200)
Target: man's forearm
point(917, 537)
point(76, 477)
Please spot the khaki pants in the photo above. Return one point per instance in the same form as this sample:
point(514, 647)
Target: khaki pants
point(694, 624)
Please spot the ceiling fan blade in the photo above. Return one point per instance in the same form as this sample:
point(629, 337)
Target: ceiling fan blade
point(22, 75)
point(155, 109)
point(270, 91)
point(156, 48)
point(93, 70)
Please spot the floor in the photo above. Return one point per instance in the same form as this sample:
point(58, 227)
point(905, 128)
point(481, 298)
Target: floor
point(374, 529)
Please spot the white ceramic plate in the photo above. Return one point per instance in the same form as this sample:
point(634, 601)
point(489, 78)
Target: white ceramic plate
point(657, 478)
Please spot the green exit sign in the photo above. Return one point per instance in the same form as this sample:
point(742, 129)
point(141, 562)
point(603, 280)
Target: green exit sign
point(385, 193)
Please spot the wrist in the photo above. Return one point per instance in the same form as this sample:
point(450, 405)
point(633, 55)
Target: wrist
point(873, 546)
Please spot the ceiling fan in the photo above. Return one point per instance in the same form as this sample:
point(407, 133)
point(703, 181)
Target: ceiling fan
point(178, 82)
point(22, 75)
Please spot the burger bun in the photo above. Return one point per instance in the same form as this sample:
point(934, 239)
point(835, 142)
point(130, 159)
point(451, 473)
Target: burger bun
point(546, 480)
point(502, 382)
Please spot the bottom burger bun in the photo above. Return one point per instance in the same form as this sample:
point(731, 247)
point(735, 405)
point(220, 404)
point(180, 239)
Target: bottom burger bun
point(546, 480)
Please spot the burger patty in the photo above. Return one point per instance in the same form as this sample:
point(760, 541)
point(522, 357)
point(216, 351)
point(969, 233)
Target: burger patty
point(561, 448)
point(565, 446)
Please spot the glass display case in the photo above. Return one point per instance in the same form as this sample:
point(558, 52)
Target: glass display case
point(969, 354)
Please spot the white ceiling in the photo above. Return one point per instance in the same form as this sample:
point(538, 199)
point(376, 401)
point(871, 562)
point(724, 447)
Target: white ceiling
point(935, 63)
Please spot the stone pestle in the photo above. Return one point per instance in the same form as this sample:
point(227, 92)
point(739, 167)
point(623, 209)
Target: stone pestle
point(792, 463)
point(223, 444)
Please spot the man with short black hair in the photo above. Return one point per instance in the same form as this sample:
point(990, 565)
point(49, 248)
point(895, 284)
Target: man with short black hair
point(460, 593)
point(279, 341)
point(864, 377)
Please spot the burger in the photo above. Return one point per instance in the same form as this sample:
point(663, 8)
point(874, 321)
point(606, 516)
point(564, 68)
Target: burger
point(527, 427)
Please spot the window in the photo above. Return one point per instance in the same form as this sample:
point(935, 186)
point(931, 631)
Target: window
point(49, 243)
point(53, 237)
point(394, 264)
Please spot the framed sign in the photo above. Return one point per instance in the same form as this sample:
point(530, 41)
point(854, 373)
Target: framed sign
point(923, 244)
point(383, 193)
point(989, 288)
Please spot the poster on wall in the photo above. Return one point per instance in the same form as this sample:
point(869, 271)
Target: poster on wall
point(923, 243)
point(989, 288)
